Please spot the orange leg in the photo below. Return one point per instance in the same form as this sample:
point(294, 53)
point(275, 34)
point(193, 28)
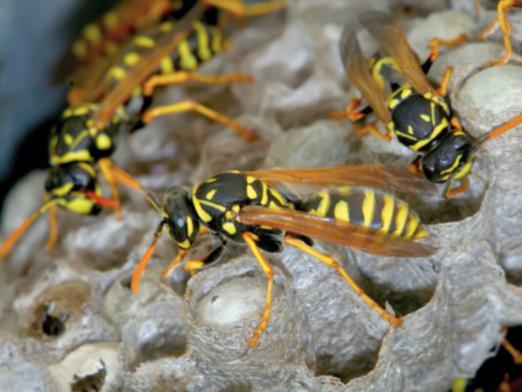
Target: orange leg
point(15, 235)
point(239, 9)
point(105, 168)
point(372, 129)
point(333, 263)
point(183, 77)
point(415, 169)
point(443, 88)
point(351, 113)
point(193, 106)
point(173, 264)
point(53, 228)
point(250, 240)
point(140, 268)
point(436, 43)
point(124, 178)
point(456, 191)
point(502, 21)
point(517, 356)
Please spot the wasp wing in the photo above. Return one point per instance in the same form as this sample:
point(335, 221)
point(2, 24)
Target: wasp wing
point(333, 230)
point(357, 69)
point(388, 33)
point(372, 175)
point(145, 67)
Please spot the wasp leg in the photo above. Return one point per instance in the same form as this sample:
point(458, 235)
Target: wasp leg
point(105, 168)
point(333, 263)
point(140, 268)
point(193, 106)
point(194, 266)
point(363, 130)
point(517, 356)
point(53, 228)
point(451, 191)
point(443, 88)
point(183, 77)
point(351, 112)
point(414, 167)
point(502, 21)
point(11, 239)
point(436, 43)
point(239, 9)
point(250, 240)
point(124, 178)
point(173, 264)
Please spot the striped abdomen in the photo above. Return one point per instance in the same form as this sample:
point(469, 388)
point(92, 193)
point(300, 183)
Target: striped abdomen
point(202, 44)
point(102, 36)
point(369, 208)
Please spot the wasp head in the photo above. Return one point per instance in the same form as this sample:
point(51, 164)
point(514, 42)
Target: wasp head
point(181, 218)
point(69, 183)
point(452, 158)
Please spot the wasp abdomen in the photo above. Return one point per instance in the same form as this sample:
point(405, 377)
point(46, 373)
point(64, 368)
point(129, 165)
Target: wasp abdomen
point(369, 208)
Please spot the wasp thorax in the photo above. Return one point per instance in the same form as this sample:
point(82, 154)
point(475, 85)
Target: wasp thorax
point(182, 221)
point(450, 159)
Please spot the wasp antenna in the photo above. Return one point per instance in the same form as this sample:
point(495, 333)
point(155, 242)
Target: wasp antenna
point(11, 239)
point(497, 132)
point(153, 201)
point(140, 268)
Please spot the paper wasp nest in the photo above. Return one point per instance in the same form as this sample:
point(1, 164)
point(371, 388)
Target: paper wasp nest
point(69, 321)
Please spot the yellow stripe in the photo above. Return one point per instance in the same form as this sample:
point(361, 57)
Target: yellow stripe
point(341, 211)
point(203, 44)
point(216, 40)
point(131, 58)
point(78, 205)
point(387, 212)
point(216, 206)
point(368, 206)
point(264, 194)
point(210, 194)
point(190, 226)
point(250, 179)
point(92, 33)
point(436, 132)
point(324, 204)
point(413, 223)
point(88, 168)
point(116, 72)
point(143, 41)
point(278, 196)
point(251, 192)
point(230, 228)
point(188, 60)
point(166, 65)
point(400, 218)
point(110, 20)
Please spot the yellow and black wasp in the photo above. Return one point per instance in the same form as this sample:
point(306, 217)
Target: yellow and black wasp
point(247, 207)
point(86, 133)
point(396, 88)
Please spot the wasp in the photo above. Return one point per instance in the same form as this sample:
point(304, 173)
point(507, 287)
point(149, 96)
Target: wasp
point(248, 208)
point(397, 90)
point(85, 136)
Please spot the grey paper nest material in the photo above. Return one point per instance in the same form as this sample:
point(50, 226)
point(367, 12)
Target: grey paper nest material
point(69, 322)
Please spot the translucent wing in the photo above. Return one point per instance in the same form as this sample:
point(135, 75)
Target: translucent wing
point(388, 33)
point(332, 230)
point(357, 69)
point(248, 7)
point(372, 175)
point(146, 66)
